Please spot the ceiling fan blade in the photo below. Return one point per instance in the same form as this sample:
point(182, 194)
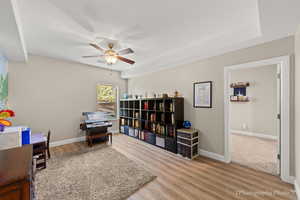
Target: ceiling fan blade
point(101, 61)
point(96, 47)
point(96, 56)
point(126, 60)
point(125, 51)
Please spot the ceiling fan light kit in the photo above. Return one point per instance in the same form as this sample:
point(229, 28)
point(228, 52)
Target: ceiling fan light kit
point(111, 56)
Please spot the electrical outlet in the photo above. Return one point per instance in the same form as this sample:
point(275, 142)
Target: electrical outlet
point(244, 126)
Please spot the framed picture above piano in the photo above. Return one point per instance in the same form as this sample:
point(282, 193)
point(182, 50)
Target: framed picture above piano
point(107, 98)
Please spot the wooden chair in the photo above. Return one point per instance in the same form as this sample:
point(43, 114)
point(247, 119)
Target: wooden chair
point(40, 152)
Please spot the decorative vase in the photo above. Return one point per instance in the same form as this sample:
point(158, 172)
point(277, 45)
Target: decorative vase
point(176, 93)
point(187, 124)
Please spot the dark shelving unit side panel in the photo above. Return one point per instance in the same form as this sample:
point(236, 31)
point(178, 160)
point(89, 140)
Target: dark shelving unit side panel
point(179, 109)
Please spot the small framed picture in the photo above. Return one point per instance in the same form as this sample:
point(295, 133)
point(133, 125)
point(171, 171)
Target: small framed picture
point(203, 94)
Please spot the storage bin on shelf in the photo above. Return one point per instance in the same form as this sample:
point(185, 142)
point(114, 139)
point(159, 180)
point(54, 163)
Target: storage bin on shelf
point(149, 137)
point(136, 133)
point(126, 130)
point(160, 141)
point(131, 131)
point(170, 143)
point(122, 129)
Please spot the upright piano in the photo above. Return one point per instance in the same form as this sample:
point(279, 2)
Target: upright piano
point(96, 126)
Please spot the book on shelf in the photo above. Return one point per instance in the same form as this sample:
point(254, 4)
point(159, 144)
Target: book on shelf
point(146, 125)
point(172, 118)
point(170, 130)
point(157, 130)
point(171, 107)
point(153, 127)
point(142, 135)
point(153, 117)
point(122, 121)
point(161, 106)
point(160, 129)
point(136, 124)
point(146, 107)
point(136, 132)
point(129, 122)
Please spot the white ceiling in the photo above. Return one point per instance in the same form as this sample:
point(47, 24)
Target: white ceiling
point(163, 33)
point(11, 38)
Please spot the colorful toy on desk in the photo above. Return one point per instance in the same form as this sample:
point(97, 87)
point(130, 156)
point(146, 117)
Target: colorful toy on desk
point(187, 124)
point(4, 114)
point(1, 128)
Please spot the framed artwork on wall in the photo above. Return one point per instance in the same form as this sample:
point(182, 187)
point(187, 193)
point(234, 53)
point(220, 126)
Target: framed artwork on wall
point(3, 83)
point(203, 94)
point(106, 98)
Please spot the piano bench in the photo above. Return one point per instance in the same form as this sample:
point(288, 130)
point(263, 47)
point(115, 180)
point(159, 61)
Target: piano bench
point(90, 138)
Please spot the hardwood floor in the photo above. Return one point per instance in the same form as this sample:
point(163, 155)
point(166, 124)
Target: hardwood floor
point(200, 179)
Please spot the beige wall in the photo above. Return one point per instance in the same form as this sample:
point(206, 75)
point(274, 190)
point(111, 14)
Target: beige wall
point(210, 122)
point(260, 114)
point(297, 105)
point(52, 94)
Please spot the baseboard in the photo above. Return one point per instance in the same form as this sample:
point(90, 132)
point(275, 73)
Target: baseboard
point(73, 140)
point(297, 189)
point(212, 155)
point(114, 131)
point(288, 179)
point(67, 141)
point(259, 135)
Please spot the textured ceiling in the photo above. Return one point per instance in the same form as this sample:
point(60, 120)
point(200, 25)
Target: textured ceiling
point(163, 33)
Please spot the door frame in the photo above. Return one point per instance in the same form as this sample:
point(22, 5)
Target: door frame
point(284, 64)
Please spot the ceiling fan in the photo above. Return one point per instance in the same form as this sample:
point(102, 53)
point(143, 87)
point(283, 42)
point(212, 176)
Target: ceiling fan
point(111, 56)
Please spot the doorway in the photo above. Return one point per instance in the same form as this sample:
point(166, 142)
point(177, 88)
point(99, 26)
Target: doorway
point(242, 135)
point(254, 123)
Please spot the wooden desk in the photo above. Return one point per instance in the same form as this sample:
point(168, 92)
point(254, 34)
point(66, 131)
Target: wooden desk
point(16, 173)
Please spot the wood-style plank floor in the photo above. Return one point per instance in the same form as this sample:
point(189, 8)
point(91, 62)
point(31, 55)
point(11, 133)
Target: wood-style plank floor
point(200, 179)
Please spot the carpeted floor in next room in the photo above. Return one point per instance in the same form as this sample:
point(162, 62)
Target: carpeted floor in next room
point(94, 173)
point(254, 152)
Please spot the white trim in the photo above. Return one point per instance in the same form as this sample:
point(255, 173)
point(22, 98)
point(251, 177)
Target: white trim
point(297, 189)
point(67, 141)
point(284, 63)
point(253, 134)
point(291, 180)
point(212, 155)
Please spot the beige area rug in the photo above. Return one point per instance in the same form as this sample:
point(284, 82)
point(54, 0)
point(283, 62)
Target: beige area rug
point(100, 173)
point(254, 152)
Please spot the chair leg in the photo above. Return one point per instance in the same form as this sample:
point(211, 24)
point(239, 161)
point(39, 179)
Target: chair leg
point(45, 160)
point(48, 152)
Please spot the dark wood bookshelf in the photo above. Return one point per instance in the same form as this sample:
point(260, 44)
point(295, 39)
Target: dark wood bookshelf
point(153, 120)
